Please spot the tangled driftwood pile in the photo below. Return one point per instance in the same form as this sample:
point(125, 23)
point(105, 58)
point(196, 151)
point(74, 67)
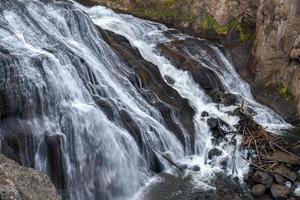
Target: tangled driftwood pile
point(274, 161)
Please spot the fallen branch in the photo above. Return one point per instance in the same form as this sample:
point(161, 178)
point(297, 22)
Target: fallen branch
point(170, 161)
point(286, 151)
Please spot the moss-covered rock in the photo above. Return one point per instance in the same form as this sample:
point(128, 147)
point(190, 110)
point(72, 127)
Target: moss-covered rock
point(210, 23)
point(199, 17)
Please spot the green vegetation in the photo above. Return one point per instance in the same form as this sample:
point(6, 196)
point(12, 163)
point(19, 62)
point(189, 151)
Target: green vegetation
point(283, 90)
point(210, 23)
point(171, 11)
point(165, 11)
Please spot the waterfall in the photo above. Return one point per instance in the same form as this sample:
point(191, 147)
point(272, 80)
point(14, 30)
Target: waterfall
point(146, 35)
point(70, 106)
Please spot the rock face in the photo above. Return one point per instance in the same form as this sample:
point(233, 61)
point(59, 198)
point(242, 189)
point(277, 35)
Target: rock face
point(20, 183)
point(272, 67)
point(276, 66)
point(212, 18)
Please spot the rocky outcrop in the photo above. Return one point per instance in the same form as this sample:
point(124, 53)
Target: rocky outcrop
point(209, 18)
point(221, 187)
point(149, 82)
point(272, 67)
point(21, 183)
point(275, 65)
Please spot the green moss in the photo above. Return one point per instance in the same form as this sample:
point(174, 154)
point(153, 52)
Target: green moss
point(169, 3)
point(283, 90)
point(165, 11)
point(210, 23)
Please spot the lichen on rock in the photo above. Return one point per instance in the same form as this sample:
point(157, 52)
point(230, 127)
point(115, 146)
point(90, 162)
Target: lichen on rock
point(21, 183)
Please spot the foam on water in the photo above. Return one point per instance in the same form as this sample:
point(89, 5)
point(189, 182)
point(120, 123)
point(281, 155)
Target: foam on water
point(145, 35)
point(59, 67)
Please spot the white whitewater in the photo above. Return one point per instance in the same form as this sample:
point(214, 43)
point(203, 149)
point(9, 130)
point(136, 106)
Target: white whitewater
point(55, 65)
point(44, 39)
point(145, 35)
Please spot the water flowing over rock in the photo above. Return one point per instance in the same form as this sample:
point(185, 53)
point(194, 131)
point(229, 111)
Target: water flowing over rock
point(84, 99)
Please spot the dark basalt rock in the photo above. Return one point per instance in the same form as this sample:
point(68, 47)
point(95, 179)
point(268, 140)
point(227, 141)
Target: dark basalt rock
point(195, 168)
point(214, 153)
point(56, 161)
point(150, 83)
point(169, 79)
point(227, 99)
point(183, 166)
point(216, 125)
point(182, 188)
point(204, 114)
point(263, 178)
point(206, 78)
point(213, 123)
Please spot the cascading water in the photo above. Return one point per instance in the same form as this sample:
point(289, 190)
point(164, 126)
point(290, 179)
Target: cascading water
point(146, 35)
point(70, 108)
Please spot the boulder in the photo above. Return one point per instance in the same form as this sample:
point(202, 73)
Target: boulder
point(216, 125)
point(214, 153)
point(204, 114)
point(258, 190)
point(169, 79)
point(263, 178)
point(227, 99)
point(213, 123)
point(183, 166)
point(21, 183)
point(279, 179)
point(195, 168)
point(280, 191)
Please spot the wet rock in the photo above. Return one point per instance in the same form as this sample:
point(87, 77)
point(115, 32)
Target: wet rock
point(263, 178)
point(258, 190)
point(235, 112)
point(169, 79)
point(213, 123)
point(214, 153)
point(183, 166)
point(227, 99)
point(279, 179)
point(224, 164)
point(296, 190)
point(204, 114)
point(149, 82)
point(216, 125)
point(280, 191)
point(246, 177)
point(54, 143)
point(169, 155)
point(195, 168)
point(183, 59)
